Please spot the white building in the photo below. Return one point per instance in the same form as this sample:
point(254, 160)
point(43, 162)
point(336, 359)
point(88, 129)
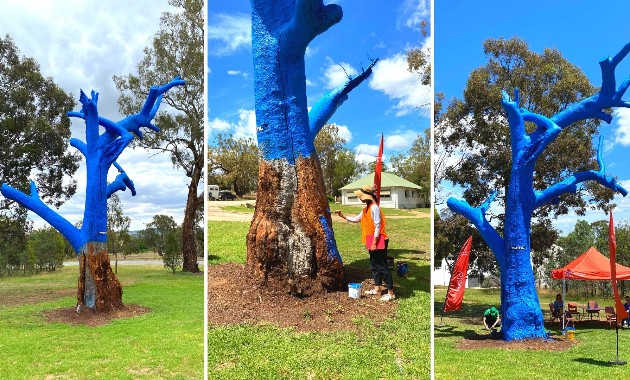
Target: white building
point(396, 192)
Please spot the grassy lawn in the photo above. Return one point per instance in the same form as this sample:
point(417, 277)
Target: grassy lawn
point(166, 343)
point(596, 345)
point(398, 349)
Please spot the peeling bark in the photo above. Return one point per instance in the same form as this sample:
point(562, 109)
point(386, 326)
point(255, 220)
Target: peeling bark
point(98, 287)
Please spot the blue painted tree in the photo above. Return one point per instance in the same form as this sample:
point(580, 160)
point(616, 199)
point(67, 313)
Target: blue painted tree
point(98, 288)
point(520, 307)
point(290, 236)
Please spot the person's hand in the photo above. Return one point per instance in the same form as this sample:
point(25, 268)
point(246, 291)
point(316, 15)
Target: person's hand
point(373, 247)
point(338, 212)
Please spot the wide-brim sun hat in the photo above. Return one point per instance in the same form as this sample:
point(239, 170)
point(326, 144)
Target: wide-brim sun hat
point(365, 193)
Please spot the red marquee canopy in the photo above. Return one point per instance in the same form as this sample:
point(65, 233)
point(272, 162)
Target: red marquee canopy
point(592, 265)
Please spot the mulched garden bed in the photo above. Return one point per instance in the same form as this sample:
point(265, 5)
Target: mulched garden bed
point(233, 299)
point(92, 318)
point(485, 341)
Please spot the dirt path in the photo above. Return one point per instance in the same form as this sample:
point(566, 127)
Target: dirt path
point(215, 213)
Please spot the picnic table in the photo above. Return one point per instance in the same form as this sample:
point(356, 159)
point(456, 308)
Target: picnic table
point(591, 312)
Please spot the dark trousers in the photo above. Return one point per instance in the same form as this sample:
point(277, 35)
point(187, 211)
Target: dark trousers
point(380, 270)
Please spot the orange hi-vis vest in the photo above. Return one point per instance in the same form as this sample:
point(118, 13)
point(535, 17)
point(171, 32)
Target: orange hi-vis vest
point(367, 224)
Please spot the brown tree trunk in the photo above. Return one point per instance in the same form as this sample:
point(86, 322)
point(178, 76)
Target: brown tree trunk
point(98, 287)
point(189, 248)
point(286, 240)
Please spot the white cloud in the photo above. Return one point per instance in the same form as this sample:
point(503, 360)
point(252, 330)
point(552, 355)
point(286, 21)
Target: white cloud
point(392, 77)
point(416, 11)
point(366, 149)
point(622, 133)
point(310, 84)
point(337, 74)
point(238, 72)
point(380, 45)
point(244, 127)
point(345, 133)
point(229, 33)
point(311, 51)
point(401, 140)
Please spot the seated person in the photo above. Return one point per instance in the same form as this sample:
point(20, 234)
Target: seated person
point(492, 320)
point(558, 306)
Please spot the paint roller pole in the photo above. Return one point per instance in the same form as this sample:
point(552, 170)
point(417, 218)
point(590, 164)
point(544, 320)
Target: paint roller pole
point(617, 362)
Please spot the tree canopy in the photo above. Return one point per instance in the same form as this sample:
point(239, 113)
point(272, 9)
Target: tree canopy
point(233, 163)
point(477, 125)
point(339, 164)
point(415, 166)
point(176, 50)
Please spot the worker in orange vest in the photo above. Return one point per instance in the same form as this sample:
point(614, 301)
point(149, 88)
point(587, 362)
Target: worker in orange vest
point(375, 239)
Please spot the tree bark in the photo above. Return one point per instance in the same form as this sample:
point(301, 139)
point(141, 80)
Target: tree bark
point(286, 239)
point(98, 287)
point(189, 245)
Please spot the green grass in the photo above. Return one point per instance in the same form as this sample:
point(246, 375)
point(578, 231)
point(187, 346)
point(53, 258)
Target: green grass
point(166, 343)
point(596, 345)
point(397, 349)
point(239, 209)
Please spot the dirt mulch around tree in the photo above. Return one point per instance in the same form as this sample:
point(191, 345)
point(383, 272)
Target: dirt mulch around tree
point(92, 318)
point(233, 299)
point(484, 341)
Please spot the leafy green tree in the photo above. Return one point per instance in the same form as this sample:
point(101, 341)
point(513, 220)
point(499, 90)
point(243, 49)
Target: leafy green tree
point(46, 247)
point(576, 242)
point(418, 60)
point(415, 166)
point(233, 163)
point(117, 227)
point(172, 251)
point(157, 231)
point(477, 127)
point(176, 50)
point(339, 164)
point(34, 136)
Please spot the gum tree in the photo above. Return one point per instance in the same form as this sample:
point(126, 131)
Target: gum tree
point(290, 237)
point(98, 287)
point(521, 313)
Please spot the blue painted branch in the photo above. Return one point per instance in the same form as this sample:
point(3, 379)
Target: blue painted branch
point(478, 218)
point(35, 204)
point(310, 19)
point(607, 97)
point(326, 106)
point(570, 184)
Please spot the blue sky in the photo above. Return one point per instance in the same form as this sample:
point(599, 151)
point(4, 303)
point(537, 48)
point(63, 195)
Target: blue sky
point(391, 102)
point(583, 31)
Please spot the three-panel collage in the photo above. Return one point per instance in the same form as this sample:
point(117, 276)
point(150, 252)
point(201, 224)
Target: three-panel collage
point(314, 189)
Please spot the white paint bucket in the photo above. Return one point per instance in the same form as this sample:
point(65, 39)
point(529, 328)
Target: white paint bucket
point(354, 290)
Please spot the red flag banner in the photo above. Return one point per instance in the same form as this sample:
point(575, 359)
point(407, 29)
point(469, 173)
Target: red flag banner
point(457, 285)
point(612, 245)
point(377, 173)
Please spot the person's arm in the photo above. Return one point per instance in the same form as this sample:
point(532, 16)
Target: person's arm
point(485, 324)
point(351, 219)
point(496, 322)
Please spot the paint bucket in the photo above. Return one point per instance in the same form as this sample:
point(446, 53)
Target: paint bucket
point(403, 268)
point(571, 333)
point(354, 290)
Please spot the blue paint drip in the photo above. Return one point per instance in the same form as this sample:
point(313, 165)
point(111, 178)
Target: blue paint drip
point(331, 245)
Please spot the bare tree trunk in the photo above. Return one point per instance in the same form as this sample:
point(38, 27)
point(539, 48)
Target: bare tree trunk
point(189, 248)
point(98, 287)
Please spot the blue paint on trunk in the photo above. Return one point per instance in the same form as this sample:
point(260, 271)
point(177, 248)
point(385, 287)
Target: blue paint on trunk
point(100, 152)
point(522, 316)
point(331, 245)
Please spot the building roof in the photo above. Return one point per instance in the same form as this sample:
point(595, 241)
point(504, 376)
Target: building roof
point(387, 180)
